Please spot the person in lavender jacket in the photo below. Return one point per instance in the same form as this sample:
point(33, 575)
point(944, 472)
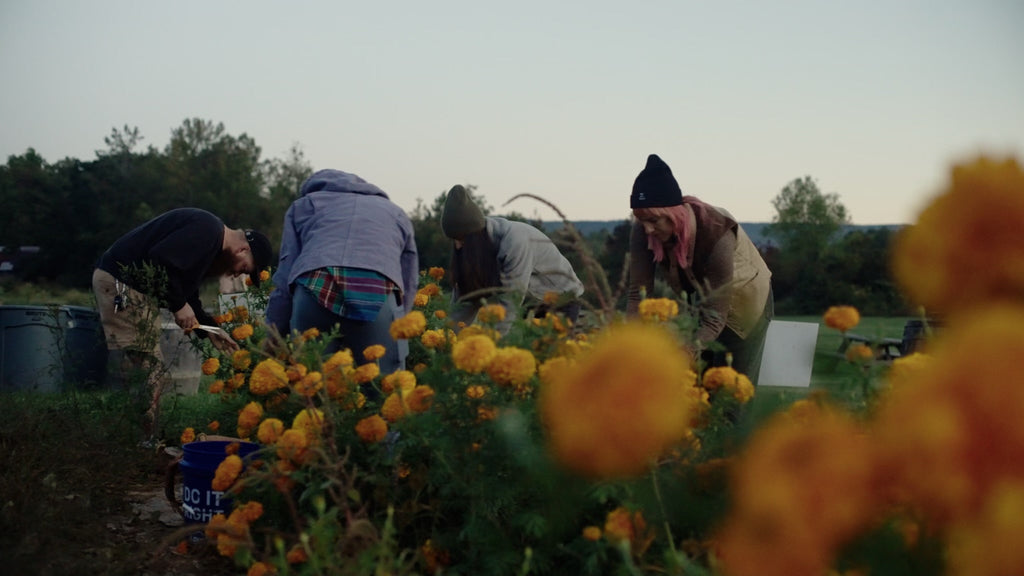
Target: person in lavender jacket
point(348, 259)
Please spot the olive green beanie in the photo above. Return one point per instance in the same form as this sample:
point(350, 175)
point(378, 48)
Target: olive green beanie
point(461, 216)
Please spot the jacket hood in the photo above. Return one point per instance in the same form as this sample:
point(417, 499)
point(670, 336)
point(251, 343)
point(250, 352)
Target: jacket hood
point(338, 181)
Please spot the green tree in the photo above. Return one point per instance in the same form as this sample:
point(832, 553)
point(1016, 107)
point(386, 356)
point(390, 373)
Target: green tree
point(805, 223)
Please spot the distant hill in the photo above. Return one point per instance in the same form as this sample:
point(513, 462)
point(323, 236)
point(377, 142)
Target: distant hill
point(753, 229)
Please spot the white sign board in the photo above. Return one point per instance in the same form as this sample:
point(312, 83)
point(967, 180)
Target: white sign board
point(788, 354)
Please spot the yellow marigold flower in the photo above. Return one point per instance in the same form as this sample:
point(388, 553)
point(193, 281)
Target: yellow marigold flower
point(250, 415)
point(965, 247)
point(476, 391)
point(296, 372)
point(293, 445)
point(227, 472)
point(436, 273)
point(842, 318)
point(592, 533)
point(403, 380)
point(353, 402)
point(420, 399)
point(858, 353)
point(372, 429)
point(264, 275)
point(267, 376)
point(242, 332)
point(310, 334)
point(241, 360)
point(440, 314)
point(420, 300)
point(375, 352)
point(296, 555)
point(241, 313)
point(549, 370)
point(474, 353)
point(188, 435)
point(236, 381)
point(491, 313)
point(339, 359)
point(419, 368)
point(431, 290)
point(310, 384)
point(366, 373)
point(310, 421)
point(394, 408)
point(409, 326)
point(211, 365)
point(261, 568)
point(270, 430)
point(248, 512)
point(658, 309)
point(512, 366)
point(622, 405)
point(479, 330)
point(216, 387)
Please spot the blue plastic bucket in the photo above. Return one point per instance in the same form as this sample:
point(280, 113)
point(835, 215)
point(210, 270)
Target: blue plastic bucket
point(198, 465)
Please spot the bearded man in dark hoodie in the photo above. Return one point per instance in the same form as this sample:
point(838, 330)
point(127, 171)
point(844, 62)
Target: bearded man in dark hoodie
point(348, 259)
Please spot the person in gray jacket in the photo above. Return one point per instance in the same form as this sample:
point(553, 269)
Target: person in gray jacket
point(497, 260)
point(348, 259)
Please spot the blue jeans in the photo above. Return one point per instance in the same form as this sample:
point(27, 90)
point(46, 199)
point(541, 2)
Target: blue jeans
point(356, 335)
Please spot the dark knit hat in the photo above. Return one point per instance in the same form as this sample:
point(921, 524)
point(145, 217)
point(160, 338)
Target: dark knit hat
point(655, 187)
point(262, 253)
point(461, 216)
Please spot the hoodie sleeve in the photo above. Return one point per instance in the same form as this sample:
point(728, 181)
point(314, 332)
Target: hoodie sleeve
point(410, 266)
point(516, 258)
point(279, 306)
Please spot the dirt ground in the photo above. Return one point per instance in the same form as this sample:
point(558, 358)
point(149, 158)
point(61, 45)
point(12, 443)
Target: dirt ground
point(73, 506)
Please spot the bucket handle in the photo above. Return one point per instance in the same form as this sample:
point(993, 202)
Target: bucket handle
point(169, 481)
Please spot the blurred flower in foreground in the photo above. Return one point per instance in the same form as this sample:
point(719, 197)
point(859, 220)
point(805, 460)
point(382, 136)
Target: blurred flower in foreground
point(966, 246)
point(622, 405)
point(842, 318)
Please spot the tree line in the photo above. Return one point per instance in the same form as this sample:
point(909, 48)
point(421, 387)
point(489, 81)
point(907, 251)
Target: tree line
point(73, 209)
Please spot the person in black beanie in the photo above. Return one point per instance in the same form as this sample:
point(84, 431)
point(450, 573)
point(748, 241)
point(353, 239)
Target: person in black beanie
point(705, 256)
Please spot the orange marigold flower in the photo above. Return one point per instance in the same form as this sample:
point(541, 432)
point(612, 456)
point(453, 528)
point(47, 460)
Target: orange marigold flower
point(250, 415)
point(213, 426)
point(293, 445)
point(420, 399)
point(433, 558)
point(409, 326)
point(248, 282)
point(270, 430)
point(261, 568)
point(486, 413)
point(188, 435)
point(474, 353)
point(551, 297)
point(227, 472)
point(436, 273)
point(431, 290)
point(658, 309)
point(476, 391)
point(420, 300)
point(264, 275)
point(211, 365)
point(241, 360)
point(310, 384)
point(366, 373)
point(248, 512)
point(624, 403)
point(236, 381)
point(403, 380)
point(310, 334)
point(491, 313)
point(433, 338)
point(623, 525)
point(216, 387)
point(372, 429)
point(242, 332)
point(394, 408)
point(296, 372)
point(592, 533)
point(842, 318)
point(267, 376)
point(965, 247)
point(907, 368)
point(339, 359)
point(440, 314)
point(512, 366)
point(296, 555)
point(858, 353)
point(375, 352)
point(419, 368)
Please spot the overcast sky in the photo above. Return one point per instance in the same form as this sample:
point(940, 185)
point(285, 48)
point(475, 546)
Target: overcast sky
point(565, 100)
